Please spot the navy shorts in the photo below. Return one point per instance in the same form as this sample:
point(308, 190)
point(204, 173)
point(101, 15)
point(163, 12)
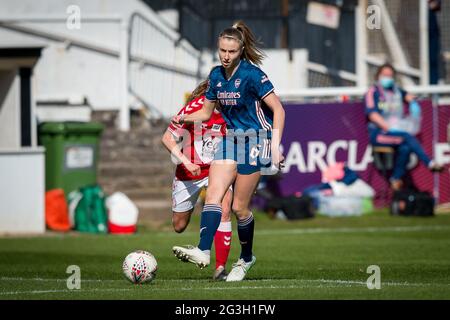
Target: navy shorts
point(252, 153)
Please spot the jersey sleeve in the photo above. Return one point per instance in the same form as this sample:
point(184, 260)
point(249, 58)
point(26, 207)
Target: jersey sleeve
point(371, 101)
point(191, 107)
point(177, 129)
point(261, 84)
point(211, 89)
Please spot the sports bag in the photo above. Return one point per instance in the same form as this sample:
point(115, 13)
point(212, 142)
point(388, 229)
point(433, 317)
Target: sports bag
point(89, 210)
point(412, 203)
point(56, 212)
point(293, 207)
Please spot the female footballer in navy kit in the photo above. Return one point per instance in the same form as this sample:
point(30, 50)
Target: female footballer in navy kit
point(255, 121)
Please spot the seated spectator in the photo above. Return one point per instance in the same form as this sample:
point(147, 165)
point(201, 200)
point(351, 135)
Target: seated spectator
point(391, 125)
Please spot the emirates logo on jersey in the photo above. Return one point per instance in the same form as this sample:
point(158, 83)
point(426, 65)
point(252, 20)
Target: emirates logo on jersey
point(237, 83)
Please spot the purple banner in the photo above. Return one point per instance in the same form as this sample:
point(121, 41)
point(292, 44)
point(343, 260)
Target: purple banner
point(317, 135)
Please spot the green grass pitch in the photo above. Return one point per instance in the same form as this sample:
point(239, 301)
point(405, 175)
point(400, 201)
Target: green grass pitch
point(321, 258)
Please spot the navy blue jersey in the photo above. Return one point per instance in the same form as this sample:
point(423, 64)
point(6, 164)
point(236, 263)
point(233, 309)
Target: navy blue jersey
point(241, 96)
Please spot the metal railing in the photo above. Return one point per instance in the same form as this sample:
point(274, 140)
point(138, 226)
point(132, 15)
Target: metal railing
point(138, 56)
point(336, 92)
point(162, 55)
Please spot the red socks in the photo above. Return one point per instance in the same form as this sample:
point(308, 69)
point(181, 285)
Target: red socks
point(222, 243)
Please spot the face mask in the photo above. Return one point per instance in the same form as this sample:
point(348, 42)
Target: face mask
point(386, 82)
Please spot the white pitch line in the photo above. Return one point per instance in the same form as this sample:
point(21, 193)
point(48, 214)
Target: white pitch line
point(53, 280)
point(353, 230)
point(59, 291)
point(321, 283)
point(170, 289)
point(208, 281)
point(265, 232)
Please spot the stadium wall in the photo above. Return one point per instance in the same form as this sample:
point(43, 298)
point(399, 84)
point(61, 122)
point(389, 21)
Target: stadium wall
point(317, 135)
point(85, 63)
point(22, 189)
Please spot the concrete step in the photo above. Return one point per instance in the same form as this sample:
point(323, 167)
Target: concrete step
point(139, 169)
point(154, 212)
point(125, 183)
point(138, 138)
point(137, 164)
point(150, 194)
point(134, 154)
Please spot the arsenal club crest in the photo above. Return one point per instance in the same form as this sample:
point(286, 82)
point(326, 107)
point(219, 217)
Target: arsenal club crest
point(237, 82)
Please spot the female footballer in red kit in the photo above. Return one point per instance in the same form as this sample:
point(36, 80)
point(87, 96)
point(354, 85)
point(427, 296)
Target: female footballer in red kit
point(191, 176)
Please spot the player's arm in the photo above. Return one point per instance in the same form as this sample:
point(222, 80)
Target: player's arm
point(204, 114)
point(171, 144)
point(273, 102)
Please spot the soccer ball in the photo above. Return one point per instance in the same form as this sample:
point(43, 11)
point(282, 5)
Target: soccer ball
point(140, 267)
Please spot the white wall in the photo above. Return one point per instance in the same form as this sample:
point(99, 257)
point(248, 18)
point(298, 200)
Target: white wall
point(9, 109)
point(22, 191)
point(65, 71)
point(285, 74)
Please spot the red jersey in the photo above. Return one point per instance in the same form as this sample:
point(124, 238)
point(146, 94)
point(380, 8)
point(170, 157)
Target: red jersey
point(199, 144)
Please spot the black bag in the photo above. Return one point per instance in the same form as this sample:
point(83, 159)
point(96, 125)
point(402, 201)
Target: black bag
point(293, 207)
point(412, 203)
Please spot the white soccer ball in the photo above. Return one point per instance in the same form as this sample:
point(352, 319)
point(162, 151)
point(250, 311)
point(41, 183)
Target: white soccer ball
point(140, 267)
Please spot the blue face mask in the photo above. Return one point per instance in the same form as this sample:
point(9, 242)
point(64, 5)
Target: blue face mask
point(386, 82)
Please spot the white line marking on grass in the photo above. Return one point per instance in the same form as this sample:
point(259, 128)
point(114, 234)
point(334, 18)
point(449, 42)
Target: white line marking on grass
point(322, 283)
point(53, 280)
point(298, 284)
point(99, 280)
point(265, 232)
point(60, 291)
point(32, 292)
point(353, 230)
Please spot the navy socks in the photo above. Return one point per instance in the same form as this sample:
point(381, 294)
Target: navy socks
point(245, 232)
point(210, 221)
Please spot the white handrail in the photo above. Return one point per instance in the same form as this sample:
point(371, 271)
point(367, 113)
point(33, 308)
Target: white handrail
point(122, 52)
point(59, 18)
point(320, 68)
point(300, 94)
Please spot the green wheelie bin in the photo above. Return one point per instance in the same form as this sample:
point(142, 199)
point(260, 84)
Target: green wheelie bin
point(71, 154)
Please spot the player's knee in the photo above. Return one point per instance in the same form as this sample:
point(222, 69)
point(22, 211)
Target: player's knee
point(213, 198)
point(226, 214)
point(214, 195)
point(241, 212)
point(179, 225)
point(226, 210)
point(179, 228)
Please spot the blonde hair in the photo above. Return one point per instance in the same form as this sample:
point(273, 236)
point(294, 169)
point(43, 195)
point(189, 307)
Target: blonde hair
point(242, 34)
point(199, 91)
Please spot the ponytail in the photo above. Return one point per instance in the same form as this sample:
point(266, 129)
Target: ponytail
point(199, 91)
point(242, 34)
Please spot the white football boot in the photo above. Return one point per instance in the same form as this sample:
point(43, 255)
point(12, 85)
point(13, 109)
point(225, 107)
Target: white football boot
point(240, 269)
point(192, 254)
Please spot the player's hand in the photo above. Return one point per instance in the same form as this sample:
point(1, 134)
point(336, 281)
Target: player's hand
point(194, 169)
point(178, 119)
point(277, 159)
